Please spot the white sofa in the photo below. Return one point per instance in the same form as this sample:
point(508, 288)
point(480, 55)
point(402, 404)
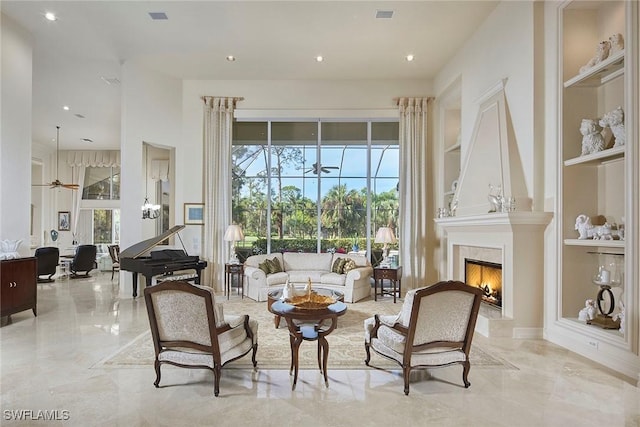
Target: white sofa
point(300, 267)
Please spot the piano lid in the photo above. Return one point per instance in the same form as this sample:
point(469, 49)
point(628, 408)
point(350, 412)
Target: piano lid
point(138, 249)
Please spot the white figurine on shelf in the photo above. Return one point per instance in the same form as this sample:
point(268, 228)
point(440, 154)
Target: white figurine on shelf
point(620, 316)
point(592, 139)
point(603, 232)
point(615, 120)
point(617, 43)
point(602, 53)
point(588, 312)
point(584, 227)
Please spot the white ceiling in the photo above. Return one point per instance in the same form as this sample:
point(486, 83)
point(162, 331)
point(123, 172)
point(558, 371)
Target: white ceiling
point(271, 40)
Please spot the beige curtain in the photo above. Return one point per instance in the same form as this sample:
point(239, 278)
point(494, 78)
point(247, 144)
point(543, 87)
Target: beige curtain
point(218, 121)
point(415, 177)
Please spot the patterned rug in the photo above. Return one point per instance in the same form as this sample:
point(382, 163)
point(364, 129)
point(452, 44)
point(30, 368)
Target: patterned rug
point(346, 343)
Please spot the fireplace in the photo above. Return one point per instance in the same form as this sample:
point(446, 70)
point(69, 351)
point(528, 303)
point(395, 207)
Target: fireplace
point(486, 276)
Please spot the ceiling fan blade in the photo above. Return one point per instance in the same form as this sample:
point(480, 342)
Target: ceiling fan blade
point(331, 167)
point(71, 186)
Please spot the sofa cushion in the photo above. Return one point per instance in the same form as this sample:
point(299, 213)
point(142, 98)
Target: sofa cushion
point(299, 276)
point(333, 279)
point(348, 266)
point(338, 265)
point(277, 278)
point(307, 261)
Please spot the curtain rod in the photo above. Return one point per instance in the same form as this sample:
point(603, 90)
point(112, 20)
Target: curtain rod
point(396, 100)
point(235, 98)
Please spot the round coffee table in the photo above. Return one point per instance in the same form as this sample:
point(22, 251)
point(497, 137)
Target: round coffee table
point(309, 324)
point(276, 295)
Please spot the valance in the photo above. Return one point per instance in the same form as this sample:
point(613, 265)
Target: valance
point(98, 158)
point(160, 170)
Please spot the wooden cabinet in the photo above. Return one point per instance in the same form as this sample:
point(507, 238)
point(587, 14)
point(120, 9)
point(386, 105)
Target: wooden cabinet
point(600, 184)
point(18, 286)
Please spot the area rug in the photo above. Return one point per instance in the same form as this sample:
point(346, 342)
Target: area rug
point(346, 343)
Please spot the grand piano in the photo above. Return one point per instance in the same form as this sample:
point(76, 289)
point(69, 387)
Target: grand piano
point(161, 262)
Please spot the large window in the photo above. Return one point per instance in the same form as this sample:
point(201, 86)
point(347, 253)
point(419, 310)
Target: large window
point(101, 183)
point(99, 226)
point(314, 185)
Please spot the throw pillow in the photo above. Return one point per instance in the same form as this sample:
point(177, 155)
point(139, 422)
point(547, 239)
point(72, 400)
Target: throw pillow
point(275, 266)
point(264, 266)
point(348, 266)
point(338, 264)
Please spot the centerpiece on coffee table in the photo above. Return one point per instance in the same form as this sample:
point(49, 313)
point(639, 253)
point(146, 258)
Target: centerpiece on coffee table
point(310, 299)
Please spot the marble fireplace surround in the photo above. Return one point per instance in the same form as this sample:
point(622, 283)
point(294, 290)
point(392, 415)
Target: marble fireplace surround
point(515, 240)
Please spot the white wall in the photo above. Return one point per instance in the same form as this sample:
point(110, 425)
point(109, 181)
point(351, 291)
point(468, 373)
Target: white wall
point(15, 135)
point(502, 47)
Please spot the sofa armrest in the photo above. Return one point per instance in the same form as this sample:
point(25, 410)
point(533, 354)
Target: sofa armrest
point(254, 273)
point(359, 273)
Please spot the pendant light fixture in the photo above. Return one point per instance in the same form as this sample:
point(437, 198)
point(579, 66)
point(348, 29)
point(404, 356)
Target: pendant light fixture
point(149, 211)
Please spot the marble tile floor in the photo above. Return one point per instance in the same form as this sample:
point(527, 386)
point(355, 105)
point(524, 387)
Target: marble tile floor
point(46, 365)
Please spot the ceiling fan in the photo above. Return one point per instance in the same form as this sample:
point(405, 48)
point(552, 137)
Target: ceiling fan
point(317, 167)
point(57, 183)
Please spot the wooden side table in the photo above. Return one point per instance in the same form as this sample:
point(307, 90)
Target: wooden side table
point(394, 275)
point(231, 270)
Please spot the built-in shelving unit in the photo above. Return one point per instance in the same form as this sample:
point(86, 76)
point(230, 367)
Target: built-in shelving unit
point(598, 184)
point(450, 120)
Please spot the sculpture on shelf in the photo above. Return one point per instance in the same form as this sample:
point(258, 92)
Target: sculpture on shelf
point(592, 139)
point(588, 312)
point(495, 198)
point(602, 53)
point(620, 316)
point(9, 249)
point(584, 227)
point(617, 43)
point(603, 232)
point(615, 120)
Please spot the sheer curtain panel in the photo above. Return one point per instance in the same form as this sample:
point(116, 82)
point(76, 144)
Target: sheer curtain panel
point(415, 177)
point(218, 121)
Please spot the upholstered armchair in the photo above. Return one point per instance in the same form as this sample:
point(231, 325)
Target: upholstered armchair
point(83, 260)
point(190, 330)
point(47, 262)
point(434, 328)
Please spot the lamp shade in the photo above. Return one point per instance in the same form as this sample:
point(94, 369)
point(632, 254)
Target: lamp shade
point(385, 235)
point(234, 233)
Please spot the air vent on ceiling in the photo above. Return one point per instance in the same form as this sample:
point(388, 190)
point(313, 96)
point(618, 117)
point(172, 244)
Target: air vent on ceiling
point(87, 140)
point(384, 14)
point(80, 116)
point(157, 16)
point(111, 80)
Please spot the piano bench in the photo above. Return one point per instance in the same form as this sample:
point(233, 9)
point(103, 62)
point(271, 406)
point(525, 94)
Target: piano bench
point(170, 277)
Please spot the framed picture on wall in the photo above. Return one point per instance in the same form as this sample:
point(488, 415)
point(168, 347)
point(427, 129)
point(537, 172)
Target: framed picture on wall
point(64, 221)
point(194, 213)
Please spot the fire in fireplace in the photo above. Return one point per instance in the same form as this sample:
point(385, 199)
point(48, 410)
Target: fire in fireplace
point(486, 276)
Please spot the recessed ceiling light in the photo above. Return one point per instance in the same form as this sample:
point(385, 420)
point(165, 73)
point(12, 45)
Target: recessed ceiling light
point(231, 58)
point(319, 58)
point(158, 16)
point(66, 108)
point(50, 16)
point(384, 14)
point(409, 58)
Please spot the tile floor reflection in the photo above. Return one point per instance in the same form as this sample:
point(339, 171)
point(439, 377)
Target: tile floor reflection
point(46, 365)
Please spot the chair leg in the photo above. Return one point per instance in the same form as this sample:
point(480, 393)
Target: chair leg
point(253, 356)
point(112, 272)
point(217, 371)
point(320, 355)
point(157, 366)
point(406, 373)
point(366, 348)
point(325, 356)
point(465, 372)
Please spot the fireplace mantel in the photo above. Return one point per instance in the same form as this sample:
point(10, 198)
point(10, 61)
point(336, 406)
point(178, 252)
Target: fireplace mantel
point(515, 240)
point(495, 219)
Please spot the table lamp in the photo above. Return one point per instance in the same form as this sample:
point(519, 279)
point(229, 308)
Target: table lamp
point(385, 235)
point(233, 234)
